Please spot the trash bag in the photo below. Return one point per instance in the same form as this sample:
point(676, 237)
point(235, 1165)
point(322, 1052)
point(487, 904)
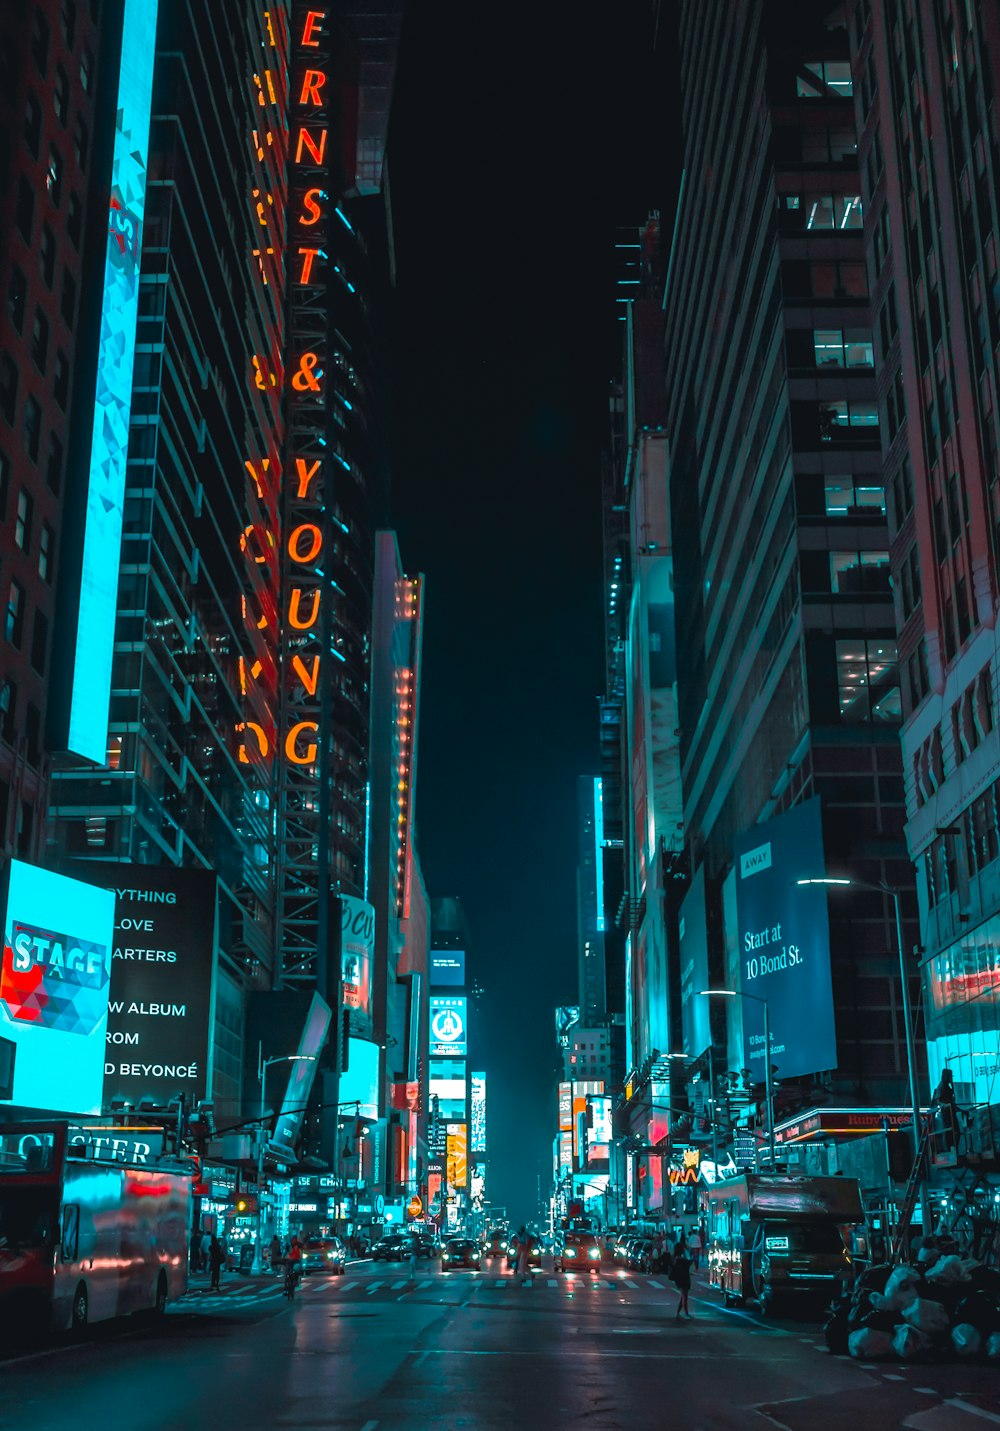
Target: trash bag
point(979, 1311)
point(985, 1279)
point(880, 1303)
point(926, 1316)
point(904, 1284)
point(873, 1279)
point(966, 1340)
point(837, 1331)
point(868, 1343)
point(877, 1321)
point(993, 1346)
point(949, 1269)
point(909, 1343)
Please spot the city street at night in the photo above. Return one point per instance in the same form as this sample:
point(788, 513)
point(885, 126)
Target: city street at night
point(377, 1351)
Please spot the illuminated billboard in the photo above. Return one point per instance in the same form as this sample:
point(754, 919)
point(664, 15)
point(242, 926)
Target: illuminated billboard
point(447, 968)
point(448, 1026)
point(300, 1080)
point(478, 1113)
point(566, 1152)
point(357, 950)
point(692, 928)
point(457, 1157)
point(359, 1080)
point(598, 1129)
point(784, 944)
point(90, 694)
point(161, 1008)
point(567, 1017)
point(582, 1090)
point(55, 977)
point(565, 1107)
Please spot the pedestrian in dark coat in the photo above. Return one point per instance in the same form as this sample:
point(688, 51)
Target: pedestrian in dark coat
point(680, 1275)
point(216, 1261)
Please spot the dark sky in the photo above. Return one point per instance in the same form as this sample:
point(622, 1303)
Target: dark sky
point(522, 136)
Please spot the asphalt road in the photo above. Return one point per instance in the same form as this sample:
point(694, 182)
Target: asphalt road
point(377, 1351)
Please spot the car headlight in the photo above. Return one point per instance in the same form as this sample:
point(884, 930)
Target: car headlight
point(569, 1252)
point(594, 1252)
point(445, 1257)
point(536, 1252)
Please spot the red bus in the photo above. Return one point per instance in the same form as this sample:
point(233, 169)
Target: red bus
point(85, 1238)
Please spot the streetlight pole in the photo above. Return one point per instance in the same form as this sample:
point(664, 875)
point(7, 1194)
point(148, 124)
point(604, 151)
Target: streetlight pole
point(263, 1064)
point(768, 1084)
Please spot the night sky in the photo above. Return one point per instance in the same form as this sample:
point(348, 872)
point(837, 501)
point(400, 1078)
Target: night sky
point(522, 136)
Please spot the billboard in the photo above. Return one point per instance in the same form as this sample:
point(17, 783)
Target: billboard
point(784, 944)
point(582, 1090)
point(692, 929)
point(90, 695)
point(567, 1017)
point(565, 1152)
point(447, 968)
point(448, 1026)
point(300, 1080)
point(457, 1156)
point(357, 951)
point(478, 1113)
point(598, 1129)
point(359, 1080)
point(55, 977)
point(161, 1011)
point(565, 1107)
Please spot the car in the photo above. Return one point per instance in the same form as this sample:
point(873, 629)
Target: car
point(395, 1248)
point(640, 1255)
point(324, 1254)
point(461, 1252)
point(426, 1244)
point(577, 1252)
point(622, 1245)
point(534, 1251)
point(496, 1243)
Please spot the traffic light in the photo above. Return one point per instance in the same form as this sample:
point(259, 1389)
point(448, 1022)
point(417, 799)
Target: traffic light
point(246, 1204)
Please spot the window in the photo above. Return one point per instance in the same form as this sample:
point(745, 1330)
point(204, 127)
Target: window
point(80, 142)
point(54, 176)
point(60, 381)
point(40, 341)
point(74, 219)
point(8, 387)
point(8, 709)
point(32, 427)
point(846, 496)
point(836, 348)
point(24, 519)
point(24, 209)
point(839, 280)
point(22, 835)
point(13, 628)
point(32, 732)
point(39, 642)
point(824, 79)
point(47, 256)
point(40, 41)
point(67, 20)
point(67, 303)
point(46, 552)
point(54, 463)
point(868, 682)
point(4, 483)
point(17, 290)
point(859, 573)
point(839, 416)
point(86, 70)
point(32, 123)
point(60, 95)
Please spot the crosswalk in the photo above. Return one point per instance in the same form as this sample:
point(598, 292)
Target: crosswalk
point(363, 1286)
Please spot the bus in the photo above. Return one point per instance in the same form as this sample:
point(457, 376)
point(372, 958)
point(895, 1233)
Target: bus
point(85, 1237)
point(777, 1238)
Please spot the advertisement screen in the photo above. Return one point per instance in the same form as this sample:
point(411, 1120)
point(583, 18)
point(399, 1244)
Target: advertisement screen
point(300, 1080)
point(357, 950)
point(567, 1017)
point(598, 1129)
point(565, 1107)
point(447, 968)
point(477, 1188)
point(566, 1152)
point(784, 944)
point(693, 930)
point(478, 1112)
point(55, 978)
point(359, 1080)
point(161, 1009)
point(457, 1156)
point(448, 1025)
point(581, 1092)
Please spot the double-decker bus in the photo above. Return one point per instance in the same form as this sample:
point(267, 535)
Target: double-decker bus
point(84, 1238)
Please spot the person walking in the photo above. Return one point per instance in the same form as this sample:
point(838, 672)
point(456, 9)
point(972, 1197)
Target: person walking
point(694, 1246)
point(216, 1261)
point(274, 1255)
point(680, 1275)
point(413, 1259)
point(196, 1251)
point(523, 1255)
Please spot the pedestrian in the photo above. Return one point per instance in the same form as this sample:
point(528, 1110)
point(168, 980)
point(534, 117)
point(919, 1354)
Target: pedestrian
point(694, 1246)
point(413, 1258)
point(275, 1253)
point(680, 1275)
point(206, 1247)
point(523, 1255)
point(196, 1251)
point(216, 1261)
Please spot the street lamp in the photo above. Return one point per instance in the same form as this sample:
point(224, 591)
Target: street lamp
point(263, 1064)
point(911, 1058)
point(768, 1085)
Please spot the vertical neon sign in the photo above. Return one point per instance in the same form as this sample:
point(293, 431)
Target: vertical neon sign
point(90, 697)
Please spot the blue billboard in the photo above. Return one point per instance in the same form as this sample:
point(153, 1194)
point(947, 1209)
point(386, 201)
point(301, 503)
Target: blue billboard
point(784, 944)
point(102, 534)
point(448, 968)
point(692, 927)
point(448, 1026)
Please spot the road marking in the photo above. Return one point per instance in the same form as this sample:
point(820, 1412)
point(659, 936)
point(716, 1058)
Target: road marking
point(502, 1281)
point(652, 1283)
point(369, 1426)
point(628, 1283)
point(374, 1287)
point(396, 1285)
point(428, 1283)
point(553, 1282)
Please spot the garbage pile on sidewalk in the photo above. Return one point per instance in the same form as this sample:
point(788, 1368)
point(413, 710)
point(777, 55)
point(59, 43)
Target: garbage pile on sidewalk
point(940, 1308)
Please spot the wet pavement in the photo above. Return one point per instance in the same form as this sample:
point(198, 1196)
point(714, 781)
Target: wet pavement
point(378, 1351)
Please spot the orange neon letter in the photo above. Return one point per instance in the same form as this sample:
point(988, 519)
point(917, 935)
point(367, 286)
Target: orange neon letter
point(308, 254)
point(258, 477)
point(312, 82)
point(245, 545)
point(295, 607)
point(310, 25)
point(305, 140)
point(315, 539)
point(310, 679)
point(311, 208)
point(263, 746)
point(309, 755)
point(305, 475)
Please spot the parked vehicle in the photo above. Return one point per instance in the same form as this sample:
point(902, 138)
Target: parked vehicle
point(640, 1255)
point(85, 1238)
point(774, 1238)
point(324, 1254)
point(577, 1252)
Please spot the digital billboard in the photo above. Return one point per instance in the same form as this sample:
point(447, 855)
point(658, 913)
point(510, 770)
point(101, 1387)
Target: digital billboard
point(478, 1113)
point(696, 1031)
point(359, 1080)
point(565, 1107)
point(567, 1017)
point(457, 1157)
point(300, 1080)
point(90, 694)
point(447, 968)
point(55, 977)
point(582, 1090)
point(598, 1129)
point(566, 1152)
point(448, 1026)
point(161, 1007)
point(357, 950)
point(784, 944)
